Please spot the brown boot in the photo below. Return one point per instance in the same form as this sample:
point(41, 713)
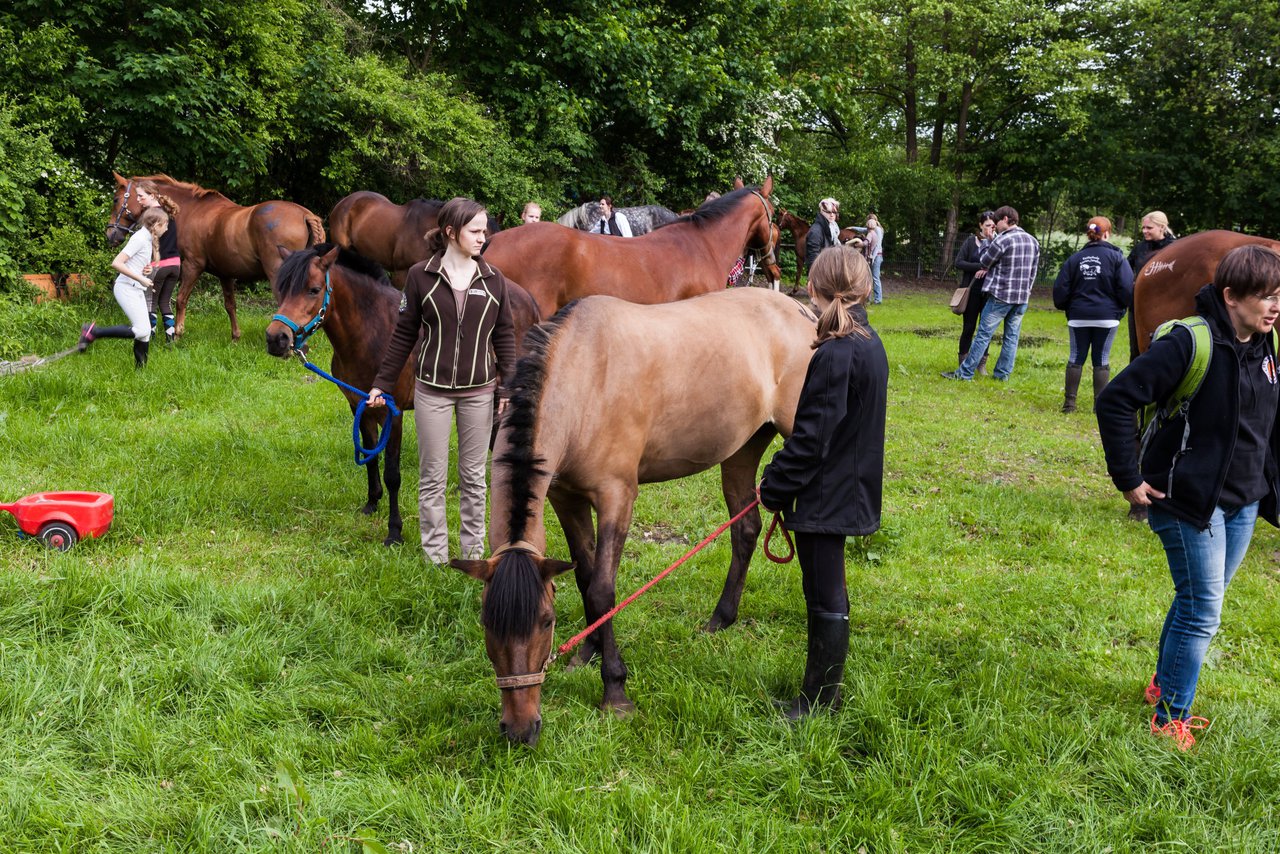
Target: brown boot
point(982, 365)
point(1101, 376)
point(1071, 387)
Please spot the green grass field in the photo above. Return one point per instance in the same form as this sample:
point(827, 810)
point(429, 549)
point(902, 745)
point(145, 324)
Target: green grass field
point(240, 665)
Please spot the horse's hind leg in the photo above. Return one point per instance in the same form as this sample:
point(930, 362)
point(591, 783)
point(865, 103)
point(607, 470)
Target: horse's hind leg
point(574, 512)
point(229, 302)
point(738, 483)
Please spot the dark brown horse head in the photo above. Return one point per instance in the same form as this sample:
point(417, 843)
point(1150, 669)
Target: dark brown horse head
point(517, 609)
point(300, 292)
point(125, 210)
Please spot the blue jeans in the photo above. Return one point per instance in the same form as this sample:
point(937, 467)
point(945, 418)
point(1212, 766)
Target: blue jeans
point(875, 277)
point(992, 313)
point(1201, 564)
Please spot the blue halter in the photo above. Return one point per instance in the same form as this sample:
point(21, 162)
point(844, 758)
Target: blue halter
point(302, 333)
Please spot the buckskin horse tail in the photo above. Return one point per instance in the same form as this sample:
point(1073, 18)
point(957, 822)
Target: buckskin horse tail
point(315, 230)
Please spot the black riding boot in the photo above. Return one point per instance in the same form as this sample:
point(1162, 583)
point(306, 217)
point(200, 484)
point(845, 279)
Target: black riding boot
point(140, 349)
point(824, 668)
point(1101, 376)
point(1072, 388)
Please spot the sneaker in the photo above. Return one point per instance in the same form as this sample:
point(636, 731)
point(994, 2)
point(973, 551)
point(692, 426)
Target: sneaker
point(1180, 730)
point(955, 375)
point(86, 337)
point(1152, 694)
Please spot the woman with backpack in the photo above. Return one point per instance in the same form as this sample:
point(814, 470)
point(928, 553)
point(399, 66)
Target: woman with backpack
point(1208, 468)
point(1094, 288)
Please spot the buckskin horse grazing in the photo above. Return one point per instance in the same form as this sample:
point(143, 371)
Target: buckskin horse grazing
point(690, 256)
point(350, 298)
point(376, 227)
point(220, 237)
point(613, 395)
point(1166, 286)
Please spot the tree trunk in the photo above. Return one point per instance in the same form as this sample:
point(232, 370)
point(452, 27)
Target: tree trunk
point(909, 103)
point(953, 213)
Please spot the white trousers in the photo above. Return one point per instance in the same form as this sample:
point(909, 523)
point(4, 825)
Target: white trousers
point(133, 300)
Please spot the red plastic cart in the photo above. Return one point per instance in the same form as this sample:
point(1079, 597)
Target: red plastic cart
point(60, 519)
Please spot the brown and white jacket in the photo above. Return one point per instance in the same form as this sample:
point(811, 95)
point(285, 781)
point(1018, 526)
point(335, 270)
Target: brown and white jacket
point(457, 353)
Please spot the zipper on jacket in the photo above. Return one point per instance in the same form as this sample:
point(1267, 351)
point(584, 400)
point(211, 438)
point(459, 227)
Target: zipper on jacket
point(457, 339)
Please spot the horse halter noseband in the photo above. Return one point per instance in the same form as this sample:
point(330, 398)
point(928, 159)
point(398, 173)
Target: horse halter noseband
point(537, 677)
point(302, 333)
point(124, 211)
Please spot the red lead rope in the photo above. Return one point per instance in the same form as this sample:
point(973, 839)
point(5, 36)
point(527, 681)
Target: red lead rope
point(774, 525)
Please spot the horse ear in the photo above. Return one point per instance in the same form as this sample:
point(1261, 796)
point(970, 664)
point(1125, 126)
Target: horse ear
point(327, 259)
point(480, 570)
point(284, 251)
point(767, 188)
point(737, 182)
point(120, 179)
point(551, 567)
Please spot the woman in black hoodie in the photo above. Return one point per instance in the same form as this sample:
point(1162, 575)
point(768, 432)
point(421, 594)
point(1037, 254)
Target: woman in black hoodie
point(1094, 288)
point(1207, 471)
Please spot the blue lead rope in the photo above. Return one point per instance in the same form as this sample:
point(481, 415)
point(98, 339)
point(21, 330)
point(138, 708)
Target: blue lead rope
point(364, 455)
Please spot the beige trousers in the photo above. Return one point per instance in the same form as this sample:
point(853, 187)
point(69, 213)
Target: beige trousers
point(433, 415)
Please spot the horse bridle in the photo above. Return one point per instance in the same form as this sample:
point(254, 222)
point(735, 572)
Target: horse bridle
point(124, 211)
point(302, 333)
point(537, 677)
point(769, 244)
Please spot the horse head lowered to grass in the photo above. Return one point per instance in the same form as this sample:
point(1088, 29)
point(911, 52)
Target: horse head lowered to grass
point(613, 395)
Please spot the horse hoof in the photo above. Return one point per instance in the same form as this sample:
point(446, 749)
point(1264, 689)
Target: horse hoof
point(393, 540)
point(716, 623)
point(369, 508)
point(620, 710)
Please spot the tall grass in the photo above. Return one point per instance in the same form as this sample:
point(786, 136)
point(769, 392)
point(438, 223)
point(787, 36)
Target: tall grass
point(241, 665)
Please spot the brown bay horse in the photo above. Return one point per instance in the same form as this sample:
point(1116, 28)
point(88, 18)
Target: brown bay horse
point(690, 256)
point(613, 395)
point(1166, 286)
point(361, 313)
point(393, 235)
point(219, 237)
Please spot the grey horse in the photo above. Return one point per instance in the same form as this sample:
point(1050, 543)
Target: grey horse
point(643, 219)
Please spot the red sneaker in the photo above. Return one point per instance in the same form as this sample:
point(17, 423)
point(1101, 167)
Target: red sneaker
point(1152, 694)
point(1180, 730)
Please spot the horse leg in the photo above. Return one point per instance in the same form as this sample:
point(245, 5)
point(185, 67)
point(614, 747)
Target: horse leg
point(191, 271)
point(391, 476)
point(369, 438)
point(613, 510)
point(229, 303)
point(574, 512)
point(737, 482)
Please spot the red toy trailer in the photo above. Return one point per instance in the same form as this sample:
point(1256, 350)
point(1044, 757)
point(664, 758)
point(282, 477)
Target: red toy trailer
point(62, 518)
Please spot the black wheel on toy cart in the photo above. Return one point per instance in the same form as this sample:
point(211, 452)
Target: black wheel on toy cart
point(58, 535)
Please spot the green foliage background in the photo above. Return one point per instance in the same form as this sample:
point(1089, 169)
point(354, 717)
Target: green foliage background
point(925, 112)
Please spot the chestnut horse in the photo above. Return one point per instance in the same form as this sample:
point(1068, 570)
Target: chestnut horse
point(376, 227)
point(690, 256)
point(613, 395)
point(360, 315)
point(218, 236)
point(799, 229)
point(1166, 286)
